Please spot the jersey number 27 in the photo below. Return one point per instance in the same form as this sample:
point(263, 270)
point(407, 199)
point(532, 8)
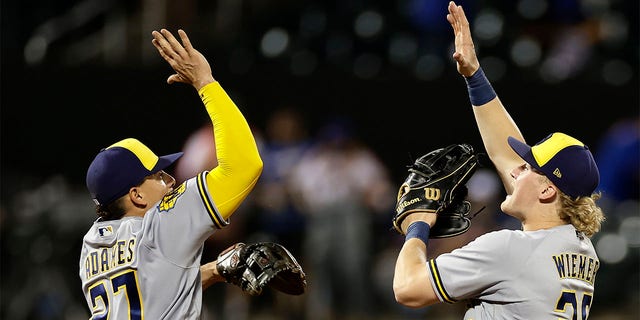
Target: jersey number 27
point(124, 282)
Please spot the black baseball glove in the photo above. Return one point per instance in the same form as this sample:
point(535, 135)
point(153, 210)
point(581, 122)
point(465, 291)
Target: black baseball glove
point(255, 266)
point(436, 183)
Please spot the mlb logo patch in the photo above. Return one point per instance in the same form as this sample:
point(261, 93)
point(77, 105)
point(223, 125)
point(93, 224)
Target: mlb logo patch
point(105, 231)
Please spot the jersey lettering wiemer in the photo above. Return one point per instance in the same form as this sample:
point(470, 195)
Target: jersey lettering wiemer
point(576, 266)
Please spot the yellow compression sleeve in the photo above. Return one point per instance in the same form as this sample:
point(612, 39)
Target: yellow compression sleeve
point(239, 163)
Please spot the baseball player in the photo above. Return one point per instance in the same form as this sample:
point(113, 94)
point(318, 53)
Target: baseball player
point(141, 257)
point(546, 270)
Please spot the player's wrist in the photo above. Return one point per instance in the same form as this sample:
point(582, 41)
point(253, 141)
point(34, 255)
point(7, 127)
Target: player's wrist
point(479, 88)
point(203, 82)
point(419, 230)
point(427, 217)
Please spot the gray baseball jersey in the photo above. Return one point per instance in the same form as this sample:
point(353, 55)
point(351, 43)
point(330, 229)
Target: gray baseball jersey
point(511, 274)
point(167, 241)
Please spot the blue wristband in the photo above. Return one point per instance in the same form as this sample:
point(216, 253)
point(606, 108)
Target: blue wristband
point(480, 90)
point(418, 229)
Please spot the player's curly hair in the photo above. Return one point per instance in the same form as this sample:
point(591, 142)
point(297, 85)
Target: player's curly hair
point(582, 212)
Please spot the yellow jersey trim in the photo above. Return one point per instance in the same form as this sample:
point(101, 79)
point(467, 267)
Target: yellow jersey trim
point(439, 286)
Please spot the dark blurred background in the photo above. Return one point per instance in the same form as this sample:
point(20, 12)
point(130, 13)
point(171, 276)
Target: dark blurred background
point(78, 75)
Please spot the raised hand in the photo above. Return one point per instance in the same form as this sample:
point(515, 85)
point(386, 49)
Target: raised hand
point(190, 65)
point(465, 53)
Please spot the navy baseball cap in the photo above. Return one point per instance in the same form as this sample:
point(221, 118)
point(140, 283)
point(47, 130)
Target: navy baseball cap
point(121, 166)
point(566, 161)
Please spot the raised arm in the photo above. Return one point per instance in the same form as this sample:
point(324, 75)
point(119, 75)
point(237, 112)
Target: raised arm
point(494, 122)
point(239, 163)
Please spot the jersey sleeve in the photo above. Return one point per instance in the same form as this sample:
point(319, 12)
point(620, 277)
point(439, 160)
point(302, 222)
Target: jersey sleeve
point(239, 163)
point(472, 269)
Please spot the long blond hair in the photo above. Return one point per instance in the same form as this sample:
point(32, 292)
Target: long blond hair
point(582, 212)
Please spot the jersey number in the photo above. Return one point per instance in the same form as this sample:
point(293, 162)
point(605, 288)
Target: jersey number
point(569, 297)
point(126, 283)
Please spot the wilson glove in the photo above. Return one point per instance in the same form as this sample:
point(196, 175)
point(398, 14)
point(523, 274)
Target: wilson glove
point(436, 183)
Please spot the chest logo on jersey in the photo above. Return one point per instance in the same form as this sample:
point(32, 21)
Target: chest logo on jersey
point(169, 201)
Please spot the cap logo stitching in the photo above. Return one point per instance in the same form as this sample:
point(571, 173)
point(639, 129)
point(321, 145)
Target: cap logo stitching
point(557, 173)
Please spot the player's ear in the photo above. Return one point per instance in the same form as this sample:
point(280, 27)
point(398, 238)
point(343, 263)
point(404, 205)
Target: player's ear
point(548, 192)
point(136, 196)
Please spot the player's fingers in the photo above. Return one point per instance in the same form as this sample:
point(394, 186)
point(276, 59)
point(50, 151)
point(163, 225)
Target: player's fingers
point(462, 16)
point(452, 12)
point(452, 23)
point(163, 54)
point(164, 48)
point(453, 17)
point(156, 41)
point(175, 78)
point(458, 15)
point(185, 40)
point(451, 8)
point(175, 45)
